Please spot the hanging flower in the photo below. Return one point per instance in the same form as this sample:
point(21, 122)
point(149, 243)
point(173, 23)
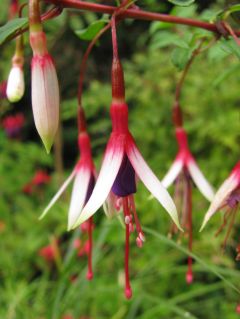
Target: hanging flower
point(227, 198)
point(183, 171)
point(40, 178)
point(51, 252)
point(45, 90)
point(84, 179)
point(121, 165)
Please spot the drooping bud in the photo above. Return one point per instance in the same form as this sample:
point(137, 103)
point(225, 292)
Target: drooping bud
point(15, 83)
point(45, 90)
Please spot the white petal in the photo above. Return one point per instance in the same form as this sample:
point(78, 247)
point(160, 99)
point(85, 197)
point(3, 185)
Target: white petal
point(79, 193)
point(222, 194)
point(173, 172)
point(58, 194)
point(107, 175)
point(152, 183)
point(200, 181)
point(15, 84)
point(45, 98)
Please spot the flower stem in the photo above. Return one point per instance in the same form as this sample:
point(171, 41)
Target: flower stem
point(136, 14)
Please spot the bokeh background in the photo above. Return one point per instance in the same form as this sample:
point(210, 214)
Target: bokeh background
point(36, 283)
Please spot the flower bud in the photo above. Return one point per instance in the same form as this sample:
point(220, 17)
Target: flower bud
point(15, 83)
point(45, 90)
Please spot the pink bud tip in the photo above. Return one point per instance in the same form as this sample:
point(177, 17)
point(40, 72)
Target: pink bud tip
point(89, 275)
point(128, 293)
point(131, 228)
point(127, 220)
point(139, 242)
point(189, 277)
point(238, 309)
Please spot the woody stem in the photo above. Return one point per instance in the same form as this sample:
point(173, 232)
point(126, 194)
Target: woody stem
point(136, 14)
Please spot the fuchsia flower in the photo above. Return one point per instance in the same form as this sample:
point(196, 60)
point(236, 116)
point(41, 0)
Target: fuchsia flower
point(45, 90)
point(182, 171)
point(185, 160)
point(84, 179)
point(121, 165)
point(228, 199)
point(50, 252)
point(13, 125)
point(40, 179)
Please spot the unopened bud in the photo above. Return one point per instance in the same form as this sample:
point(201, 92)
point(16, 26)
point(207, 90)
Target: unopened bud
point(15, 84)
point(139, 242)
point(45, 98)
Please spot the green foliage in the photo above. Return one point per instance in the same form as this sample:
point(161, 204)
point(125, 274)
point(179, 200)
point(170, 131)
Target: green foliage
point(11, 28)
point(92, 30)
point(32, 288)
point(183, 3)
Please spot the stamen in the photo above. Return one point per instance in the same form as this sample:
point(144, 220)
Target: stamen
point(141, 238)
point(225, 221)
point(90, 228)
point(234, 211)
point(128, 289)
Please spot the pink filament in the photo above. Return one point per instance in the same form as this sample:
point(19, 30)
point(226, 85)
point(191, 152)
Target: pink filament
point(90, 227)
point(128, 289)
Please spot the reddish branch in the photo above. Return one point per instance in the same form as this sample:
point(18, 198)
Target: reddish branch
point(134, 13)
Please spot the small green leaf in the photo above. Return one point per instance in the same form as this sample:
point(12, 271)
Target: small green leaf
point(91, 31)
point(182, 3)
point(180, 57)
point(230, 46)
point(164, 38)
point(11, 28)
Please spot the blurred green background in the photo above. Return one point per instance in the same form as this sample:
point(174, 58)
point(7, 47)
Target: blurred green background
point(33, 288)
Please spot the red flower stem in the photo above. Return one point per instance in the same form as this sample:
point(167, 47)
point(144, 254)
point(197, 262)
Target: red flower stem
point(232, 32)
point(83, 66)
point(177, 112)
point(136, 14)
point(84, 61)
point(128, 289)
point(90, 228)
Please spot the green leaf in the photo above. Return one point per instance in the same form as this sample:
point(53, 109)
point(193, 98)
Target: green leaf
point(230, 46)
point(10, 28)
point(180, 57)
point(164, 38)
point(91, 31)
point(182, 3)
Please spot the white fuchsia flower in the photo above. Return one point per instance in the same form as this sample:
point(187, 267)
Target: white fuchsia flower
point(84, 178)
point(227, 198)
point(185, 160)
point(121, 165)
point(183, 170)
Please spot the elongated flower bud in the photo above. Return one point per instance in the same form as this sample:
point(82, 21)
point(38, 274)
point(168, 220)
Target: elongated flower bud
point(15, 84)
point(45, 90)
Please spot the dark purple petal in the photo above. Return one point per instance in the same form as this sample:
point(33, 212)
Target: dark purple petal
point(125, 183)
